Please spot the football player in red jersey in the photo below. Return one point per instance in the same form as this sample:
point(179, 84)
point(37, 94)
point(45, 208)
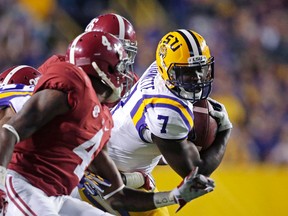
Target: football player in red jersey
point(64, 126)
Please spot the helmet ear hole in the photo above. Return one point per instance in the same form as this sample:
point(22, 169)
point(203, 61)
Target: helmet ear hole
point(110, 69)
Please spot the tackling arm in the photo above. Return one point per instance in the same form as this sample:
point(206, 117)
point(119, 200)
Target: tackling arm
point(105, 167)
point(124, 198)
point(193, 186)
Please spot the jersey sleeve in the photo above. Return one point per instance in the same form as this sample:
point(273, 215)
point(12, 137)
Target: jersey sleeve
point(66, 78)
point(168, 118)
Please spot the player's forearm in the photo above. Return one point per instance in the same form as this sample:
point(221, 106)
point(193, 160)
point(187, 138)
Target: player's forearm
point(181, 156)
point(144, 201)
point(212, 157)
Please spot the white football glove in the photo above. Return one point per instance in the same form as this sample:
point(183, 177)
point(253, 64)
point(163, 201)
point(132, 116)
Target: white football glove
point(194, 185)
point(220, 114)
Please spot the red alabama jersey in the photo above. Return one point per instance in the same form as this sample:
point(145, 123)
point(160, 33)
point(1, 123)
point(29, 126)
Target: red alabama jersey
point(55, 157)
point(51, 60)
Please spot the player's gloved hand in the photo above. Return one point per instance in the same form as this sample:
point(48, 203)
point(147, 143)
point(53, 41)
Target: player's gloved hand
point(94, 183)
point(194, 185)
point(3, 200)
point(220, 114)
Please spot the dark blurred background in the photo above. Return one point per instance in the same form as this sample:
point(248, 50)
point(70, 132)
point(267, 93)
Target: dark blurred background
point(249, 40)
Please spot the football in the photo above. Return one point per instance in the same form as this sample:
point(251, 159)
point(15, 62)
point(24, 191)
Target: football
point(205, 126)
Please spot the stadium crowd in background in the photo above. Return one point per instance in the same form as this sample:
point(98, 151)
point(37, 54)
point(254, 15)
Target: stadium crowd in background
point(249, 41)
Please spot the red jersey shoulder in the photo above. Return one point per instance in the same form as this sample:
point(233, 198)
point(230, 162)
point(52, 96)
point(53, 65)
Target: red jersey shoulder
point(63, 76)
point(69, 79)
point(51, 60)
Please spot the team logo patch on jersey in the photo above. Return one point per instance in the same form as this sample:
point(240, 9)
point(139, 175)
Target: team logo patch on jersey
point(96, 111)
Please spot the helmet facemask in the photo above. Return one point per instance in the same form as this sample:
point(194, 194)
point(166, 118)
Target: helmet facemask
point(123, 68)
point(131, 49)
point(192, 81)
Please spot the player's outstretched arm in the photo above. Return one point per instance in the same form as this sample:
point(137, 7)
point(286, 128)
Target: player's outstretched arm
point(105, 167)
point(120, 197)
point(193, 186)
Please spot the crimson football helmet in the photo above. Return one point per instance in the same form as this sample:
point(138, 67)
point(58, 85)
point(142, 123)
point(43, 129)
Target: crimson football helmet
point(119, 27)
point(186, 65)
point(22, 74)
point(103, 56)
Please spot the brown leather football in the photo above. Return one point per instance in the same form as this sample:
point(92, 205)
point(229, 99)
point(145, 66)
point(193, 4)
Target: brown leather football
point(205, 126)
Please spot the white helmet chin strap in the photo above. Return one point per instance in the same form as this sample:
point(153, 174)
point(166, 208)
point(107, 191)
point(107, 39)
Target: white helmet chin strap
point(116, 95)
